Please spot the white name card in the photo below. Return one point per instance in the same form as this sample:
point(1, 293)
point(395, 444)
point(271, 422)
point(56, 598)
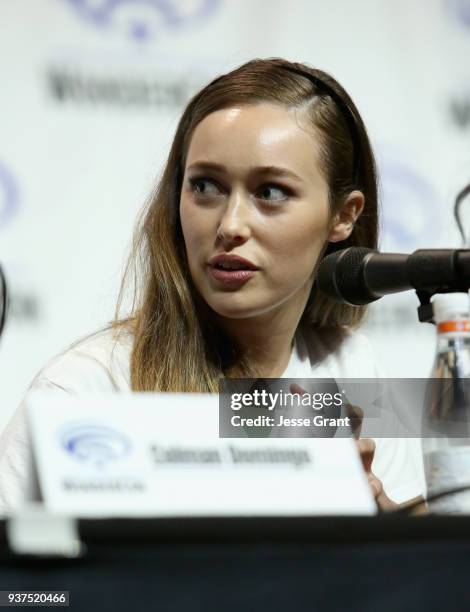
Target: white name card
point(160, 455)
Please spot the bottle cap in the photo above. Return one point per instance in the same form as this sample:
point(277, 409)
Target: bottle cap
point(450, 305)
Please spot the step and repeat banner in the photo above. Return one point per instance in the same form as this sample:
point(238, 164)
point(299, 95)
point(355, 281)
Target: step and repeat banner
point(92, 91)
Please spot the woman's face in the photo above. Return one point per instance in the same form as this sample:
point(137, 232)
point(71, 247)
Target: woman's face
point(253, 189)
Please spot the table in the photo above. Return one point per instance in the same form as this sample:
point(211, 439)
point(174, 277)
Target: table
point(382, 563)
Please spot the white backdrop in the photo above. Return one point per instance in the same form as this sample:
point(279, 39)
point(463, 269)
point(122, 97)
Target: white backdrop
point(92, 90)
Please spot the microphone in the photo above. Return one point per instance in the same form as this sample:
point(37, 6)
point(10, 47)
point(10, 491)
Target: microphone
point(358, 275)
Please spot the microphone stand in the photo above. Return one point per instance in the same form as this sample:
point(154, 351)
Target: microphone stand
point(425, 312)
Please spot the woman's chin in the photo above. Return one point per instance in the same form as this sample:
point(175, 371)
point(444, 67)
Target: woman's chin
point(227, 313)
point(236, 311)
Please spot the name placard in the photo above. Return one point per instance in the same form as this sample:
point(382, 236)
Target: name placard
point(161, 455)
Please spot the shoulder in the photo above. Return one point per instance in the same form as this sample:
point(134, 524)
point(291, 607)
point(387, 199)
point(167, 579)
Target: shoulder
point(99, 362)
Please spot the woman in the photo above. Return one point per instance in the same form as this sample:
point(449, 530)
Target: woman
point(270, 169)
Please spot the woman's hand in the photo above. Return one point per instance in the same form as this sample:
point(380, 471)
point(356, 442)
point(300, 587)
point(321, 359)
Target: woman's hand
point(366, 448)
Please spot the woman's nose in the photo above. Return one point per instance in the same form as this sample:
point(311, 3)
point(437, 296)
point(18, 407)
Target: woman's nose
point(234, 225)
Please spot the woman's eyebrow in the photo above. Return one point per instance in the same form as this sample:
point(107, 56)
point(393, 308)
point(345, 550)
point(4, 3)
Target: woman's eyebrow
point(263, 170)
point(206, 165)
point(278, 171)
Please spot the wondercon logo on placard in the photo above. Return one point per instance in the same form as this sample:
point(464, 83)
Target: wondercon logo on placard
point(8, 196)
point(411, 207)
point(96, 445)
point(140, 19)
point(460, 9)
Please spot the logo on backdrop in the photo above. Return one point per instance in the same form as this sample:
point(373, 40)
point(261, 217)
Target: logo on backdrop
point(8, 196)
point(411, 208)
point(459, 109)
point(459, 101)
point(95, 445)
point(460, 10)
point(141, 19)
point(93, 82)
point(84, 88)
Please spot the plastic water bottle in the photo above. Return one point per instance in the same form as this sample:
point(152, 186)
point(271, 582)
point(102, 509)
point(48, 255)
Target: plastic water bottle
point(446, 422)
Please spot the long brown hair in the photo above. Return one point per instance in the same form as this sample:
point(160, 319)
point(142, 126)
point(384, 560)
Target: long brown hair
point(176, 343)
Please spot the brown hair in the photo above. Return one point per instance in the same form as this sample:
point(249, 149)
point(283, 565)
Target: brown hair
point(177, 346)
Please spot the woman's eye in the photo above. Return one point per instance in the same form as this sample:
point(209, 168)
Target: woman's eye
point(273, 193)
point(204, 187)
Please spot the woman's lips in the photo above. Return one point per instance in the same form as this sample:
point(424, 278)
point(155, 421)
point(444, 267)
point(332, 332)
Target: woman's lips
point(231, 277)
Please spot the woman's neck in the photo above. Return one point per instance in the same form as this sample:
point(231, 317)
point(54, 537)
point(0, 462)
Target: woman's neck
point(267, 346)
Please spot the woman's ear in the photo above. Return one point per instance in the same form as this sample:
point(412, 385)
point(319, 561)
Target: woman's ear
point(344, 220)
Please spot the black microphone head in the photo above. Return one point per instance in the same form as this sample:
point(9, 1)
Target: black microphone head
point(340, 276)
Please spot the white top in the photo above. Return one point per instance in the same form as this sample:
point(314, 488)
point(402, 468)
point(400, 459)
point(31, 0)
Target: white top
point(101, 364)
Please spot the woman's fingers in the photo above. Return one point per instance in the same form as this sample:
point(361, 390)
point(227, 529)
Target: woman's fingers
point(356, 416)
point(317, 431)
point(382, 500)
point(375, 484)
point(366, 448)
point(295, 388)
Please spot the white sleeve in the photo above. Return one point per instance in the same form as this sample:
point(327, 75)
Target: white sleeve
point(396, 464)
point(74, 372)
point(397, 460)
point(17, 479)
